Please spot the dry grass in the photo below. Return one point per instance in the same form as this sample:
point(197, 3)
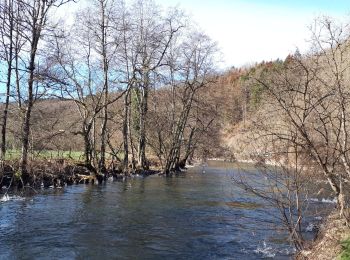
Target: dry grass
point(328, 244)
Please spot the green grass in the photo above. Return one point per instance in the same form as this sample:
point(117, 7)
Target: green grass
point(345, 255)
point(13, 154)
point(46, 154)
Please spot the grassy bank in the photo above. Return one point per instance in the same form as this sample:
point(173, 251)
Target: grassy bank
point(332, 241)
point(345, 254)
point(14, 154)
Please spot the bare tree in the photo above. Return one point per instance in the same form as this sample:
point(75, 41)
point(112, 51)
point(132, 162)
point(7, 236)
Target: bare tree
point(309, 95)
point(76, 74)
point(86, 58)
point(284, 187)
point(34, 24)
point(197, 56)
point(7, 31)
point(127, 59)
point(106, 28)
point(153, 34)
point(12, 43)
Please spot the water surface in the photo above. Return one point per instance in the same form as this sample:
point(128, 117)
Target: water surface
point(193, 216)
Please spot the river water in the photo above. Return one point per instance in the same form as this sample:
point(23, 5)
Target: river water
point(197, 215)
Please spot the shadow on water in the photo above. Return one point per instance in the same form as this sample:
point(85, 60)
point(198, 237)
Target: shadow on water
point(192, 216)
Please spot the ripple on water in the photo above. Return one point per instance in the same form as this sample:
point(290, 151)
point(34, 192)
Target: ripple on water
point(195, 216)
point(269, 251)
point(232, 204)
point(6, 198)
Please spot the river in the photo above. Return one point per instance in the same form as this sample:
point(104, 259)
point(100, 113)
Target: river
point(197, 215)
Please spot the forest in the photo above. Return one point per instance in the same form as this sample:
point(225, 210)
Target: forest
point(135, 89)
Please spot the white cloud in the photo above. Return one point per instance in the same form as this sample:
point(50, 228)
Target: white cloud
point(248, 32)
point(245, 32)
point(247, 35)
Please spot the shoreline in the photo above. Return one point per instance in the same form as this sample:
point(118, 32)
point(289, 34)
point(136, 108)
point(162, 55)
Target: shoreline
point(58, 174)
point(329, 240)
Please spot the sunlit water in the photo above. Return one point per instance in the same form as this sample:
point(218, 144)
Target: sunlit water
point(193, 216)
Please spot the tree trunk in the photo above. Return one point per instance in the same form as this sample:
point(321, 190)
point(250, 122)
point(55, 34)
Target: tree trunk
point(189, 147)
point(125, 133)
point(102, 162)
point(18, 85)
point(8, 85)
point(5, 114)
point(142, 123)
point(87, 148)
point(132, 148)
point(103, 27)
point(173, 157)
point(26, 119)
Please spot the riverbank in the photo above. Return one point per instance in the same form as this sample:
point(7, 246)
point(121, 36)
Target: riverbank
point(331, 241)
point(56, 174)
